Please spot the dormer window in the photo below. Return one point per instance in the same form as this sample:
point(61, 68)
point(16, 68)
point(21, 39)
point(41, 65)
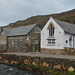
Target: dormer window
point(51, 31)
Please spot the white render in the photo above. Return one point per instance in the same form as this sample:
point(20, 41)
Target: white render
point(59, 34)
point(66, 37)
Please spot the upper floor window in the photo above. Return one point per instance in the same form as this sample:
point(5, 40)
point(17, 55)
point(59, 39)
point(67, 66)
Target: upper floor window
point(51, 30)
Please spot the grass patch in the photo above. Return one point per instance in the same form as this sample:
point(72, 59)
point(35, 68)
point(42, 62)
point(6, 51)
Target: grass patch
point(13, 55)
point(71, 73)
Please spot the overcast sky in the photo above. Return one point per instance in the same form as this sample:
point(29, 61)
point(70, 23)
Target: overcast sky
point(14, 10)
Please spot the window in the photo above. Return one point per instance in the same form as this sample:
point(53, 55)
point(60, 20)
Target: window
point(36, 41)
point(27, 37)
point(4, 41)
point(51, 41)
point(66, 41)
point(51, 31)
point(70, 41)
point(12, 42)
point(15, 40)
point(21, 40)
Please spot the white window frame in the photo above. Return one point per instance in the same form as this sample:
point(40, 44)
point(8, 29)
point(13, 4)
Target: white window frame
point(51, 42)
point(36, 41)
point(12, 42)
point(4, 41)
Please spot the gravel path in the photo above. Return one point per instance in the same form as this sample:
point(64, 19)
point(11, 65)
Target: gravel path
point(38, 54)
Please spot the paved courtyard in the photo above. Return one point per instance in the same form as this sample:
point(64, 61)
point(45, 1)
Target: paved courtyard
point(38, 54)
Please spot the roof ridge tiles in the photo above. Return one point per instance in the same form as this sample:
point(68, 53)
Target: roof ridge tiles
point(22, 26)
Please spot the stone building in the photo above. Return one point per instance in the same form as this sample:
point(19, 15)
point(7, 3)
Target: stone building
point(3, 38)
point(21, 39)
point(56, 36)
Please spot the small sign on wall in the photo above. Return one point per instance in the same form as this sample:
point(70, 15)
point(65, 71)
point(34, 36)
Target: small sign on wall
point(27, 37)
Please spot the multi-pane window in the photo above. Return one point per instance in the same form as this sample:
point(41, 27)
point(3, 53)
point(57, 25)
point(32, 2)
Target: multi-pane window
point(35, 41)
point(51, 31)
point(51, 41)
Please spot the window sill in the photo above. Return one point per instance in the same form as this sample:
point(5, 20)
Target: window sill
point(70, 45)
point(50, 44)
point(35, 43)
point(50, 38)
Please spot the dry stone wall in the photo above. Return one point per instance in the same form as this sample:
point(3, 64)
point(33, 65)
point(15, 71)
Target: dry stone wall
point(38, 61)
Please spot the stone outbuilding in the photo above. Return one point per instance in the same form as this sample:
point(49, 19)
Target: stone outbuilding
point(21, 39)
point(3, 38)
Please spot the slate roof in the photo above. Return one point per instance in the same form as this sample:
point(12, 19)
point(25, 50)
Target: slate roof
point(21, 30)
point(67, 27)
point(7, 31)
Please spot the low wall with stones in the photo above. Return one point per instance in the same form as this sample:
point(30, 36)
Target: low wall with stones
point(52, 51)
point(69, 51)
point(38, 61)
point(65, 51)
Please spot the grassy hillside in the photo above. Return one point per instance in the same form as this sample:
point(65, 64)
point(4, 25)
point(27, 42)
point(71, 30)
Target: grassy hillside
point(41, 20)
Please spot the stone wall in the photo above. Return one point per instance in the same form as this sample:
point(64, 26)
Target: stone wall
point(69, 51)
point(3, 42)
point(65, 51)
point(3, 47)
point(22, 44)
point(38, 61)
point(52, 51)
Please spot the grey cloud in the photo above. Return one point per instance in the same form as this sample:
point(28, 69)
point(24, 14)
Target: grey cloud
point(13, 10)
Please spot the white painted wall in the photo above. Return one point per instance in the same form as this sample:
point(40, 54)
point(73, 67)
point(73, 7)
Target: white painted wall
point(58, 35)
point(66, 37)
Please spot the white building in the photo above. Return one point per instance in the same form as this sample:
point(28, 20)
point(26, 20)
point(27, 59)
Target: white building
point(57, 35)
